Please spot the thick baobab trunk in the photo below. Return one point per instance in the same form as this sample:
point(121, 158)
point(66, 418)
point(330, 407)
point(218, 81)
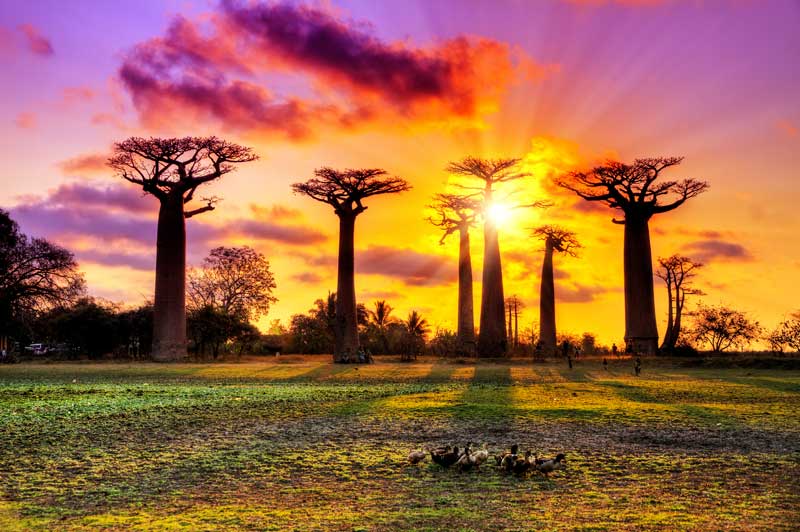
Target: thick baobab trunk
point(641, 332)
point(547, 303)
point(169, 309)
point(492, 335)
point(346, 327)
point(466, 319)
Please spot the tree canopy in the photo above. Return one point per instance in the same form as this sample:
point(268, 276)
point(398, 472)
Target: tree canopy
point(454, 212)
point(345, 190)
point(234, 280)
point(35, 274)
point(634, 188)
point(722, 327)
point(165, 167)
point(559, 238)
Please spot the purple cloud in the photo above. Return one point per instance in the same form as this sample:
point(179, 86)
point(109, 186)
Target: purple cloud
point(124, 217)
point(718, 250)
point(137, 261)
point(214, 69)
point(415, 268)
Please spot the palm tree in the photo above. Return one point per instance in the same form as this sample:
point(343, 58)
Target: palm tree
point(417, 328)
point(381, 316)
point(416, 325)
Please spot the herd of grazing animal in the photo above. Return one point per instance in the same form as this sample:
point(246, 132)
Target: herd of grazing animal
point(508, 461)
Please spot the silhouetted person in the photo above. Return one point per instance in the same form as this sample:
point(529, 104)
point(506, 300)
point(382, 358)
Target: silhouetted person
point(569, 360)
point(614, 350)
point(637, 365)
point(565, 347)
point(605, 364)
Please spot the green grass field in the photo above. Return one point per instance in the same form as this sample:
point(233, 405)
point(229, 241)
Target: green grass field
point(300, 444)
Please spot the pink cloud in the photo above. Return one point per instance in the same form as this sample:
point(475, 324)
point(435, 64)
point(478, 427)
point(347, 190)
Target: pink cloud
point(37, 43)
point(72, 95)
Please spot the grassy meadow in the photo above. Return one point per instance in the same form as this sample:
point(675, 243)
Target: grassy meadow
point(300, 444)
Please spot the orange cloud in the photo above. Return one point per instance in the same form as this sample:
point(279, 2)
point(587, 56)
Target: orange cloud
point(26, 120)
point(90, 163)
point(788, 128)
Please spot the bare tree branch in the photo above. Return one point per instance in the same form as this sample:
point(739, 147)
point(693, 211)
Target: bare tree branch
point(634, 188)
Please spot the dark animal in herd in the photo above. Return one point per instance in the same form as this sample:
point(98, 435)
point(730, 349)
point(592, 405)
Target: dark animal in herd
point(508, 461)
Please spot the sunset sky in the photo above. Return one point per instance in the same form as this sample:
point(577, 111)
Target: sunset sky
point(408, 86)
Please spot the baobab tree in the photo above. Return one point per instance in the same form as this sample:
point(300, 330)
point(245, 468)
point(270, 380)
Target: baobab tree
point(345, 191)
point(635, 190)
point(556, 239)
point(459, 213)
point(172, 170)
point(677, 273)
point(492, 340)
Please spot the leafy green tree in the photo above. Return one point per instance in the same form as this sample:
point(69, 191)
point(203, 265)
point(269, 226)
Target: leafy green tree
point(89, 327)
point(35, 276)
point(416, 330)
point(722, 327)
point(212, 328)
point(235, 280)
point(786, 335)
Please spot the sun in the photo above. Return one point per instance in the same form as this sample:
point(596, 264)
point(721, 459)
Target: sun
point(499, 213)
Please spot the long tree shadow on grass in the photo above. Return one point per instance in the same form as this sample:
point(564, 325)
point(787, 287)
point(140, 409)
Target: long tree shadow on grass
point(487, 402)
point(775, 385)
point(697, 414)
point(318, 373)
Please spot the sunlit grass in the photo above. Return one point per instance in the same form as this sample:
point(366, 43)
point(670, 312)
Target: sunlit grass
point(307, 445)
